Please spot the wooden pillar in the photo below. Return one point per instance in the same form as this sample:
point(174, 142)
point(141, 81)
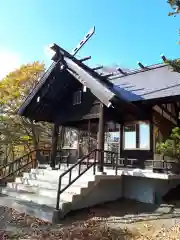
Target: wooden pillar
point(177, 114)
point(55, 132)
point(78, 145)
point(89, 135)
point(62, 132)
point(121, 138)
point(100, 137)
point(152, 138)
point(137, 136)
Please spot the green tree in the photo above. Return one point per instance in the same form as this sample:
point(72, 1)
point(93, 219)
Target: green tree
point(19, 134)
point(175, 5)
point(171, 147)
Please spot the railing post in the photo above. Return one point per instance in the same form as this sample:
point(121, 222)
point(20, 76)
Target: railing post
point(70, 174)
point(125, 161)
point(166, 166)
point(94, 167)
point(100, 138)
point(114, 161)
point(58, 194)
point(79, 168)
point(55, 133)
point(116, 165)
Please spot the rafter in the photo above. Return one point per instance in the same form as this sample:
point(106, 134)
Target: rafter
point(165, 113)
point(85, 59)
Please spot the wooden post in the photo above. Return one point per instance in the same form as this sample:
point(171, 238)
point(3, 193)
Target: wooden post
point(89, 135)
point(100, 137)
point(137, 136)
point(152, 139)
point(121, 138)
point(78, 145)
point(55, 132)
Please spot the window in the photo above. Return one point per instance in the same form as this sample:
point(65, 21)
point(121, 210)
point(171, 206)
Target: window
point(130, 136)
point(77, 97)
point(144, 135)
point(137, 136)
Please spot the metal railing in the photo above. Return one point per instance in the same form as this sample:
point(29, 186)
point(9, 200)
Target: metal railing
point(165, 166)
point(161, 166)
point(30, 159)
point(87, 162)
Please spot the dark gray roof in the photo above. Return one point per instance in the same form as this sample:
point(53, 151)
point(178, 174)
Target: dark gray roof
point(158, 81)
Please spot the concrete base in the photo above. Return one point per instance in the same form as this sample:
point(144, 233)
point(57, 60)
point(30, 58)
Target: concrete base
point(35, 193)
point(57, 216)
point(147, 190)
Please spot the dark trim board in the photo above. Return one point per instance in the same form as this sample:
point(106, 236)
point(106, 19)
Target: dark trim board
point(160, 100)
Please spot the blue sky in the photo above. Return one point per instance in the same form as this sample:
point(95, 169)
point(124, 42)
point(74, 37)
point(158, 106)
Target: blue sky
point(126, 31)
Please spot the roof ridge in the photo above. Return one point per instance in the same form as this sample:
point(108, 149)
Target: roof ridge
point(138, 70)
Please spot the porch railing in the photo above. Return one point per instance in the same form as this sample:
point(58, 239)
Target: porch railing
point(161, 166)
point(28, 160)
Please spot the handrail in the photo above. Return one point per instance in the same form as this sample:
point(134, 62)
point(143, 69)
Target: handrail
point(69, 170)
point(88, 164)
point(10, 163)
point(162, 164)
point(18, 164)
point(25, 155)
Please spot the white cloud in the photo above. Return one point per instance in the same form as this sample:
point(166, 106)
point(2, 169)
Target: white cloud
point(9, 61)
point(48, 52)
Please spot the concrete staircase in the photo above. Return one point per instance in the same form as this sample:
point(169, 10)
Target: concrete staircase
point(35, 193)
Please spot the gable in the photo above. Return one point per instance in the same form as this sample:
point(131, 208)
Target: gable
point(58, 82)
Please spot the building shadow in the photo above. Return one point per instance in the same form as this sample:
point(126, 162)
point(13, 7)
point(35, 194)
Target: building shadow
point(122, 211)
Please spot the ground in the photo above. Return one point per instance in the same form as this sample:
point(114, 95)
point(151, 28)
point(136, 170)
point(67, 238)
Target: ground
point(122, 220)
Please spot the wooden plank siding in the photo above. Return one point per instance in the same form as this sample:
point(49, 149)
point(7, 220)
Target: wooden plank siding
point(168, 112)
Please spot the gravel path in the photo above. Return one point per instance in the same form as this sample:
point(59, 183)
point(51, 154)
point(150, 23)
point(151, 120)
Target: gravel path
point(117, 220)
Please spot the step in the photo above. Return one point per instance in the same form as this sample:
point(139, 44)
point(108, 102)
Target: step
point(57, 173)
point(33, 188)
point(39, 211)
point(38, 199)
point(54, 179)
point(63, 169)
point(38, 183)
point(49, 185)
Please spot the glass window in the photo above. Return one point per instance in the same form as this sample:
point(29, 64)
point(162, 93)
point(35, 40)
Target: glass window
point(144, 135)
point(130, 136)
point(137, 136)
